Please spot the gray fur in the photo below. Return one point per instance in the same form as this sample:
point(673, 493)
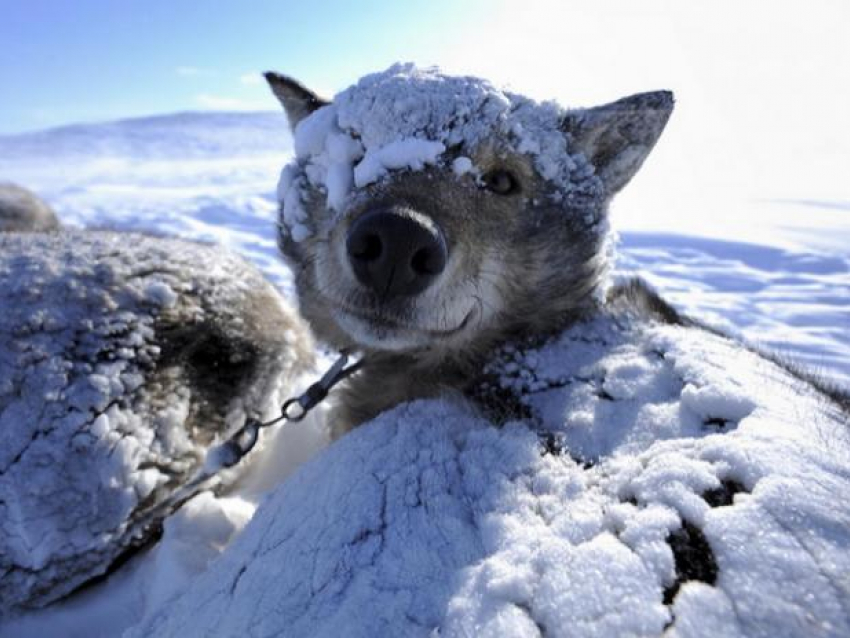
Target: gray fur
point(21, 210)
point(618, 137)
point(636, 297)
point(298, 101)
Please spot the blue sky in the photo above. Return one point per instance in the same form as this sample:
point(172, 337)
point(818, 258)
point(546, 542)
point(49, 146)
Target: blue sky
point(69, 60)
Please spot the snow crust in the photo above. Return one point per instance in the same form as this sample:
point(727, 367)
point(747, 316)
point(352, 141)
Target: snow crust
point(408, 118)
point(432, 521)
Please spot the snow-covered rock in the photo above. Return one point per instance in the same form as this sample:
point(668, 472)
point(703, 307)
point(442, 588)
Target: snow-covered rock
point(122, 358)
point(21, 210)
point(662, 479)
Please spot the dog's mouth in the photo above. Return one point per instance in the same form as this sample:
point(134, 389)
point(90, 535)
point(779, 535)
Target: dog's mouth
point(393, 333)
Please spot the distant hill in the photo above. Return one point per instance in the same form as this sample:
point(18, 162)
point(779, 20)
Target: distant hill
point(192, 134)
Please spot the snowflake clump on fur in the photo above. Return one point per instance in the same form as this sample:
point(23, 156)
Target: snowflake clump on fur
point(407, 118)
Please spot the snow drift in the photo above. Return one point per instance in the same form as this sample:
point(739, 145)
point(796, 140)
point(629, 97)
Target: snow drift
point(667, 479)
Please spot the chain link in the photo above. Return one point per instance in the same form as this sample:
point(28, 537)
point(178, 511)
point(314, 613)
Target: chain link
point(230, 452)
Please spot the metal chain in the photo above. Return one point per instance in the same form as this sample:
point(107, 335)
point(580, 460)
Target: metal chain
point(230, 452)
point(244, 439)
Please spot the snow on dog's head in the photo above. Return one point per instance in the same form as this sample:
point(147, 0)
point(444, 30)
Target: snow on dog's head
point(422, 208)
point(408, 118)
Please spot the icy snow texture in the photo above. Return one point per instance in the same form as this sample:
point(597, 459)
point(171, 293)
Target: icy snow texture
point(122, 357)
point(407, 118)
point(431, 521)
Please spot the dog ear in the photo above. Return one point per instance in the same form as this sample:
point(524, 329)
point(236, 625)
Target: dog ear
point(298, 101)
point(616, 138)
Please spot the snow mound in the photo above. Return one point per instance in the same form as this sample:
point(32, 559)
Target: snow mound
point(663, 479)
point(122, 358)
point(410, 118)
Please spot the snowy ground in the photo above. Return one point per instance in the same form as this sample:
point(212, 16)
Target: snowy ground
point(782, 279)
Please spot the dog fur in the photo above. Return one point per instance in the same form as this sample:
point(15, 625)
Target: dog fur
point(21, 210)
point(520, 264)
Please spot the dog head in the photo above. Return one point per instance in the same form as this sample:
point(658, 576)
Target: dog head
point(435, 214)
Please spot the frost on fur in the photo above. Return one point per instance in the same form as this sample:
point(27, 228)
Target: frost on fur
point(409, 118)
point(123, 357)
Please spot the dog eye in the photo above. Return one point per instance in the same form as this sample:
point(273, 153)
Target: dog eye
point(500, 182)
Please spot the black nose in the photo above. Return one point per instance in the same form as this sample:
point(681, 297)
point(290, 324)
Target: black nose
point(396, 252)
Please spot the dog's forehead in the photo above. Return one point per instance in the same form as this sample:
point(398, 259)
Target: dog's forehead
point(405, 101)
point(409, 119)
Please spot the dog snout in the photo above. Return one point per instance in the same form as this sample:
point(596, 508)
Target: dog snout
point(396, 252)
